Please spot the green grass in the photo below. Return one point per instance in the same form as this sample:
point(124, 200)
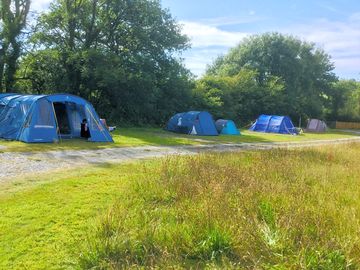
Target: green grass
point(281, 209)
point(129, 137)
point(253, 137)
point(122, 138)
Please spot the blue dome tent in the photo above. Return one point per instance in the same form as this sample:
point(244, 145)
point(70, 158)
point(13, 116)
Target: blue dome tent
point(274, 124)
point(194, 123)
point(226, 127)
point(49, 118)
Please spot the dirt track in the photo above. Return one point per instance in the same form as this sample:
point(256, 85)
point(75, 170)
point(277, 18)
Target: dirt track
point(17, 164)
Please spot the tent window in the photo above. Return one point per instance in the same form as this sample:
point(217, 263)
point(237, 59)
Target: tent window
point(62, 118)
point(44, 113)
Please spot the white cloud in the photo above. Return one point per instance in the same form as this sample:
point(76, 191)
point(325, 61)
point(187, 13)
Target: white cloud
point(202, 35)
point(340, 39)
point(231, 20)
point(208, 42)
point(197, 59)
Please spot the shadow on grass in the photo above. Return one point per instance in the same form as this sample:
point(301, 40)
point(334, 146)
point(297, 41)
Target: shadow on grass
point(131, 137)
point(122, 138)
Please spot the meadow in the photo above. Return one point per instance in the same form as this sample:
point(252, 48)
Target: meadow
point(278, 209)
point(129, 137)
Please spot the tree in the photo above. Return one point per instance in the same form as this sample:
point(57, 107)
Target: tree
point(344, 99)
point(13, 15)
point(122, 55)
point(305, 70)
point(239, 97)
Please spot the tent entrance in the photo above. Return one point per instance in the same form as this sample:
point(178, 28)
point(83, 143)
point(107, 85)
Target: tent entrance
point(62, 118)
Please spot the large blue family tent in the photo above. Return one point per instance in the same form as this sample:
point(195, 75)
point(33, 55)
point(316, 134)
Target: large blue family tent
point(274, 124)
point(49, 118)
point(226, 127)
point(194, 123)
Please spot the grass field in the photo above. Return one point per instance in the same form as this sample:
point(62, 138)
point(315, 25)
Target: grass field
point(151, 136)
point(281, 209)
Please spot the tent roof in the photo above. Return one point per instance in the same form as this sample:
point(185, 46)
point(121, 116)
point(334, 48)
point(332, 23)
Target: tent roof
point(7, 98)
point(7, 95)
point(220, 123)
point(266, 117)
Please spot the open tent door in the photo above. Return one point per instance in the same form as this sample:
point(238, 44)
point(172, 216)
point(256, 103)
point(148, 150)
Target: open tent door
point(62, 118)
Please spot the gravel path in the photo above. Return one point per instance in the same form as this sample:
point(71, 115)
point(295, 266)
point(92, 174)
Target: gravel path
point(17, 164)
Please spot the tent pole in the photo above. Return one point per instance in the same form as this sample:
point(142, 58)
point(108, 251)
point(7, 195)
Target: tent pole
point(101, 128)
point(56, 121)
point(25, 120)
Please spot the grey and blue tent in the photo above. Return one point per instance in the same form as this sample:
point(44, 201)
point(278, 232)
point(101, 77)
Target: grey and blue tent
point(193, 122)
point(274, 124)
point(226, 127)
point(49, 118)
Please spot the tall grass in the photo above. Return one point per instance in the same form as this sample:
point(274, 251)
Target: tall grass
point(281, 209)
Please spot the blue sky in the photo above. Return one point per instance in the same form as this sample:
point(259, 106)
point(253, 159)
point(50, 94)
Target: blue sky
point(214, 26)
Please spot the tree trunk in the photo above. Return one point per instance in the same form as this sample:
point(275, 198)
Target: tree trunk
point(2, 65)
point(12, 66)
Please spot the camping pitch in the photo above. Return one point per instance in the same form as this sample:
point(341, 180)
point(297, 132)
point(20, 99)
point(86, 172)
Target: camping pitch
point(49, 118)
point(194, 123)
point(226, 127)
point(274, 124)
point(316, 125)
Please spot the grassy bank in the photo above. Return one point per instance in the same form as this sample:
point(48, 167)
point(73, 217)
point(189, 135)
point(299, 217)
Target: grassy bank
point(268, 210)
point(129, 137)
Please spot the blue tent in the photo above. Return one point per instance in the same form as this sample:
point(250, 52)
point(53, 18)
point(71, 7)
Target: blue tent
point(193, 122)
point(274, 124)
point(49, 118)
point(226, 127)
point(5, 99)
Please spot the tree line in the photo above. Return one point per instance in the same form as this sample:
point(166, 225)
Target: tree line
point(124, 56)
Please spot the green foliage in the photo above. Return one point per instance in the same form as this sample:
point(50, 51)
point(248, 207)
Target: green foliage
point(124, 57)
point(239, 97)
point(13, 19)
point(320, 260)
point(120, 55)
point(305, 71)
point(345, 101)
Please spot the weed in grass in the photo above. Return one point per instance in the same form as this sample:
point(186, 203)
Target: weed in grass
point(266, 210)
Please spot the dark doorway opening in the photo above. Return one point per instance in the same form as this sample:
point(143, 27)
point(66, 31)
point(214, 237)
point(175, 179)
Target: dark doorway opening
point(62, 118)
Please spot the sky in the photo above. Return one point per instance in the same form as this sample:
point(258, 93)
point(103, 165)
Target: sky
point(214, 26)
